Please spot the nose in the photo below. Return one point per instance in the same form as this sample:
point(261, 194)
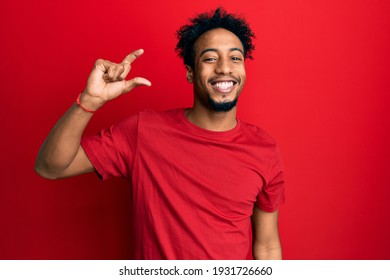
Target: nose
point(223, 67)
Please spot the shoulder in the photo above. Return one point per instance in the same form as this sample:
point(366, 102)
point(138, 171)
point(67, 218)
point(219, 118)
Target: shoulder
point(257, 134)
point(147, 118)
point(262, 144)
point(154, 118)
point(170, 113)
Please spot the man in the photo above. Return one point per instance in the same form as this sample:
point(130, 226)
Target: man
point(201, 178)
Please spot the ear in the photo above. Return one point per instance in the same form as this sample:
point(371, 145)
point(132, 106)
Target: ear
point(189, 74)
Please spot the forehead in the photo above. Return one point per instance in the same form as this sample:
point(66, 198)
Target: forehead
point(219, 39)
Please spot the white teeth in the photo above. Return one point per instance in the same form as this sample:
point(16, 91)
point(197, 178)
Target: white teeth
point(224, 85)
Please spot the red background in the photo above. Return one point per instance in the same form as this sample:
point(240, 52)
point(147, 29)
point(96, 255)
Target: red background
point(319, 84)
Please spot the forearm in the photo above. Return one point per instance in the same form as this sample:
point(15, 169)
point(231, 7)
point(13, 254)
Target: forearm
point(267, 253)
point(63, 142)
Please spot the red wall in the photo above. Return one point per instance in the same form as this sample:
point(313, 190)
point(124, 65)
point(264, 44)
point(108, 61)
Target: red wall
point(319, 84)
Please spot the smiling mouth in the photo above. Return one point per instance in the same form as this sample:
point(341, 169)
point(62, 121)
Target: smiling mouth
point(224, 86)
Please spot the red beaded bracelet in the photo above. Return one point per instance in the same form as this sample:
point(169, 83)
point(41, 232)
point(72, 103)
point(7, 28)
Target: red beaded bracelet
point(81, 106)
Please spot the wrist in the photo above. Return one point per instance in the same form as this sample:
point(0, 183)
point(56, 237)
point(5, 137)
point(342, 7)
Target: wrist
point(89, 103)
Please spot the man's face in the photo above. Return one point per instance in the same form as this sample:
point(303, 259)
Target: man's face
point(219, 71)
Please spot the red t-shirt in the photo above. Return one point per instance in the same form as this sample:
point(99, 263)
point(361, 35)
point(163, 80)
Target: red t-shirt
point(193, 190)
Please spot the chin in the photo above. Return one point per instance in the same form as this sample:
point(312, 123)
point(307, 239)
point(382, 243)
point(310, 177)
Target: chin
point(224, 106)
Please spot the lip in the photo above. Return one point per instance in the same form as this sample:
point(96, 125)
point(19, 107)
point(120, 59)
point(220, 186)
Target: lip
point(214, 82)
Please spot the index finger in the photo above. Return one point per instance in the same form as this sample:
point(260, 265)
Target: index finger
point(133, 56)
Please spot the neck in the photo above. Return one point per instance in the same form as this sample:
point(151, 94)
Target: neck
point(211, 120)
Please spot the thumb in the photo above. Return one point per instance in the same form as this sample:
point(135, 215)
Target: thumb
point(135, 82)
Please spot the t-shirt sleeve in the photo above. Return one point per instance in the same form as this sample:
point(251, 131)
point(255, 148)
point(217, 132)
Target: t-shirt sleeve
point(272, 194)
point(111, 151)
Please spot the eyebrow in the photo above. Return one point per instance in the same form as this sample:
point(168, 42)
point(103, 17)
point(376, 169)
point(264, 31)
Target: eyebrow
point(216, 50)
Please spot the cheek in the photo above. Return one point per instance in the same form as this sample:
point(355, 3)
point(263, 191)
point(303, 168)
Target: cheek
point(243, 75)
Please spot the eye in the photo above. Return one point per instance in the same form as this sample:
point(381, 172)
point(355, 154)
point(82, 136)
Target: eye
point(209, 59)
point(236, 58)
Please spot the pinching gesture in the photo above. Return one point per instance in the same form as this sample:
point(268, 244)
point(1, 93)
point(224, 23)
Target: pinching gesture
point(107, 81)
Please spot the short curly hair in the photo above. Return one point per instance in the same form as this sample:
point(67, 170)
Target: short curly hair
point(188, 34)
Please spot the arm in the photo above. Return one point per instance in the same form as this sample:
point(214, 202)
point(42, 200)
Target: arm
point(61, 155)
point(266, 242)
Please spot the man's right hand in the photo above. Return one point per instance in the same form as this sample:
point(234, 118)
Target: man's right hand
point(107, 81)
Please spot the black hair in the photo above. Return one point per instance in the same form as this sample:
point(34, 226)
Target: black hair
point(188, 34)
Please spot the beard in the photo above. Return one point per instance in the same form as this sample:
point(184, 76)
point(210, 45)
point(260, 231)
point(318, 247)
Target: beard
point(222, 106)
